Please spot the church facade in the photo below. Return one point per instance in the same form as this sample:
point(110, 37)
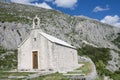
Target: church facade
point(43, 52)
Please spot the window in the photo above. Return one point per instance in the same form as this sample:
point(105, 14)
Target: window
point(34, 39)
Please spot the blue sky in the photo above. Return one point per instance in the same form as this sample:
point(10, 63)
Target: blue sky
point(106, 11)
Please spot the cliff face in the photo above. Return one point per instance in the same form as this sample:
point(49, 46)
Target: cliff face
point(11, 34)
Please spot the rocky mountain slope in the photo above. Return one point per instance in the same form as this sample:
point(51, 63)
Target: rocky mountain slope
point(16, 24)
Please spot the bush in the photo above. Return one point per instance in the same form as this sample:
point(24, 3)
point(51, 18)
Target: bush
point(96, 54)
point(117, 41)
point(8, 59)
point(100, 56)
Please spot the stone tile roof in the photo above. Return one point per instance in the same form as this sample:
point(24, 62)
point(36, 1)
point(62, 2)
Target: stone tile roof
point(56, 40)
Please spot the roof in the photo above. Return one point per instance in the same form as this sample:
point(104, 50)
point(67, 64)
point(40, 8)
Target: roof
point(56, 40)
point(50, 38)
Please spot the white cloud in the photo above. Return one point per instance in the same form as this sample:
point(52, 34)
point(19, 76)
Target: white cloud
point(59, 3)
point(98, 8)
point(112, 20)
point(65, 3)
point(43, 5)
point(23, 1)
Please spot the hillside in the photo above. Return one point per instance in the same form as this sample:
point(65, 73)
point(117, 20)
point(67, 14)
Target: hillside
point(16, 23)
point(71, 29)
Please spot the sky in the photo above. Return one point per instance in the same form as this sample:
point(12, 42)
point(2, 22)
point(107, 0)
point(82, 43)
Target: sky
point(106, 11)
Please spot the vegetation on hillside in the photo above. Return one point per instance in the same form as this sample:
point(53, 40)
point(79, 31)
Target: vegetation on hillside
point(100, 56)
point(6, 17)
point(23, 13)
point(117, 41)
point(8, 59)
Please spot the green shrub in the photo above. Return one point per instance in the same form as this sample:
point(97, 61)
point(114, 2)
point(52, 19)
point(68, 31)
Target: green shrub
point(100, 56)
point(96, 54)
point(2, 50)
point(8, 59)
point(117, 41)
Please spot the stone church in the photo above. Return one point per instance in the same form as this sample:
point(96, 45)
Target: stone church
point(43, 52)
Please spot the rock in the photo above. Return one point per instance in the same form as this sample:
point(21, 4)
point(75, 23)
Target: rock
point(12, 34)
point(114, 63)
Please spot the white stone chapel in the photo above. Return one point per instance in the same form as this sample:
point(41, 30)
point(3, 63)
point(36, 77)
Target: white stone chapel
point(43, 52)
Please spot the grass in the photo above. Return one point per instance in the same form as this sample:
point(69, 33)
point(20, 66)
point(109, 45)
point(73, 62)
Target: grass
point(99, 78)
point(55, 76)
point(86, 68)
point(15, 73)
point(5, 75)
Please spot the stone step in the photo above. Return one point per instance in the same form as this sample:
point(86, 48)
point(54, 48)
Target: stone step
point(74, 74)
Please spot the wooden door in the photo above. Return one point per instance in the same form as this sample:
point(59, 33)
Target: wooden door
point(35, 59)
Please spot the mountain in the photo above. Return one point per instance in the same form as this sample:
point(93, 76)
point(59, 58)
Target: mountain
point(16, 24)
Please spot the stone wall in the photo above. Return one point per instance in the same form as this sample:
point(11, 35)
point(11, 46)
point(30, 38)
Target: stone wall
point(65, 58)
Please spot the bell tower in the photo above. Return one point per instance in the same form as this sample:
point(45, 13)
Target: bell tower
point(36, 22)
point(36, 27)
